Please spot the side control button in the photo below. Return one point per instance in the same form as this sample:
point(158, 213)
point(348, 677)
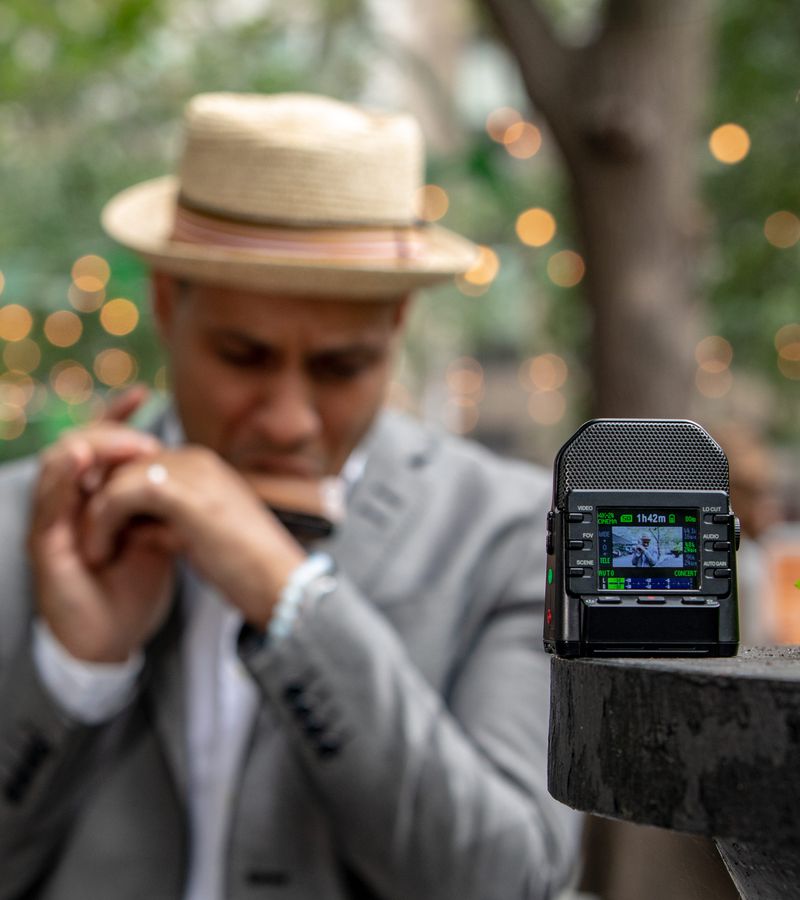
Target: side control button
point(609, 600)
point(576, 572)
point(694, 601)
point(722, 573)
point(575, 545)
point(722, 545)
point(651, 600)
point(576, 517)
point(721, 519)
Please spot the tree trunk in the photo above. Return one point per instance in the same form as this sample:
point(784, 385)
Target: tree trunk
point(624, 110)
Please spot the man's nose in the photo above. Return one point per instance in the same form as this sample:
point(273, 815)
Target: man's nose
point(287, 415)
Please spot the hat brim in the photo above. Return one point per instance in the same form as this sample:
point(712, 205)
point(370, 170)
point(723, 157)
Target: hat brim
point(141, 218)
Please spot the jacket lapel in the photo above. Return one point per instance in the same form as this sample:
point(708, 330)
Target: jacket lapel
point(164, 691)
point(385, 502)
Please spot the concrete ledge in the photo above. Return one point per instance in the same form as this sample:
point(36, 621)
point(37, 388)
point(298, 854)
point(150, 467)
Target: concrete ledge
point(707, 746)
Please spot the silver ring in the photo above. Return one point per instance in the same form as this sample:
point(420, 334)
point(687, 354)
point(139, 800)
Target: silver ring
point(156, 474)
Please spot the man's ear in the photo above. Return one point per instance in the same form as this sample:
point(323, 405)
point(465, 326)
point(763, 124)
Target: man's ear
point(164, 297)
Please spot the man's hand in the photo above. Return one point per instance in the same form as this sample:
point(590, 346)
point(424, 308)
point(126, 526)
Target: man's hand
point(210, 513)
point(98, 613)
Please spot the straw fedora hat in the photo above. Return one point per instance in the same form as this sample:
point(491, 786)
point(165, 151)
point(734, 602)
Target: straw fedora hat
point(291, 193)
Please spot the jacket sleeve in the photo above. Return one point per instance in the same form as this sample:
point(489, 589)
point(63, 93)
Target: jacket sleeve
point(47, 762)
point(434, 795)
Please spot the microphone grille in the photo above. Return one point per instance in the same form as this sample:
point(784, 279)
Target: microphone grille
point(641, 454)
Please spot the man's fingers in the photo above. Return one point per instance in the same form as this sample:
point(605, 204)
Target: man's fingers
point(124, 405)
point(58, 489)
point(127, 498)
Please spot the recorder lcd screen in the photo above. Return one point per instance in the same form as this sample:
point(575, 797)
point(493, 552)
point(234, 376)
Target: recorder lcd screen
point(648, 549)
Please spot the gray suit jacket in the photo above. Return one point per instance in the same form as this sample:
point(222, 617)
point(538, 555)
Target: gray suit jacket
point(399, 753)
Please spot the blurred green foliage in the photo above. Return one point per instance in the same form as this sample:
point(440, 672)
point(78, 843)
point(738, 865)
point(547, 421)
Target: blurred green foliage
point(90, 95)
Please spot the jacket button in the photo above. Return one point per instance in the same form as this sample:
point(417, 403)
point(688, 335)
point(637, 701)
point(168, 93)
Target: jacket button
point(328, 747)
point(313, 726)
point(294, 689)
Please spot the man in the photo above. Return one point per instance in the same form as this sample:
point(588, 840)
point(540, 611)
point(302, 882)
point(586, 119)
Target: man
point(193, 703)
point(642, 554)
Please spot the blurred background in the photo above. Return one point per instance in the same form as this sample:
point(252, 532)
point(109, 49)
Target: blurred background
point(629, 168)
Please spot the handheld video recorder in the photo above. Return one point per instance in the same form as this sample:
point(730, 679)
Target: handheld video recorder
point(641, 543)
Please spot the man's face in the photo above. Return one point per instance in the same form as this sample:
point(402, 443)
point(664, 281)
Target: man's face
point(276, 385)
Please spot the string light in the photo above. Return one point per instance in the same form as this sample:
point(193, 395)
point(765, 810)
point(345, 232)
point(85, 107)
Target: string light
point(85, 301)
point(119, 317)
point(536, 227)
point(499, 121)
point(63, 328)
point(461, 414)
point(713, 354)
point(431, 202)
point(545, 372)
point(22, 356)
point(114, 367)
point(90, 273)
point(464, 376)
point(11, 429)
point(787, 343)
point(566, 268)
point(482, 273)
point(547, 407)
point(729, 144)
point(15, 322)
point(713, 384)
point(522, 140)
point(71, 382)
point(782, 229)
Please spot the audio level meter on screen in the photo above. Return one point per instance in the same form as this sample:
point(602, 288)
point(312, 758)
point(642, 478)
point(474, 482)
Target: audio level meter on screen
point(641, 543)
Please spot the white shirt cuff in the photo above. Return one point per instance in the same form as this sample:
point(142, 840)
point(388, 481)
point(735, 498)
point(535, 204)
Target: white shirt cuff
point(89, 692)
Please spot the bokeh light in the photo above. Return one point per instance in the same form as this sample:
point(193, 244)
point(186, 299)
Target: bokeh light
point(522, 140)
point(536, 227)
point(431, 202)
point(464, 376)
point(729, 143)
point(16, 390)
point(12, 428)
point(713, 354)
point(547, 407)
point(2, 282)
point(15, 322)
point(63, 328)
point(90, 273)
point(114, 367)
point(787, 343)
point(782, 229)
point(713, 384)
point(461, 414)
point(22, 356)
point(566, 268)
point(119, 316)
point(71, 381)
point(787, 340)
point(545, 372)
point(483, 272)
point(789, 368)
point(500, 120)
point(85, 301)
